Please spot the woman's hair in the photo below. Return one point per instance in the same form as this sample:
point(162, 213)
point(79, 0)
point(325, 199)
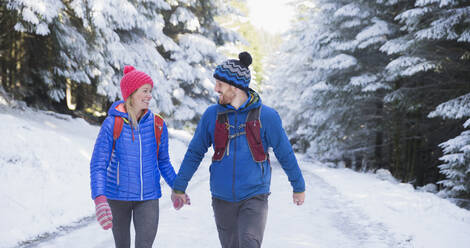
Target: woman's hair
point(128, 105)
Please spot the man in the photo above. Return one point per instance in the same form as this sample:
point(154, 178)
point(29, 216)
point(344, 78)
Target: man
point(241, 129)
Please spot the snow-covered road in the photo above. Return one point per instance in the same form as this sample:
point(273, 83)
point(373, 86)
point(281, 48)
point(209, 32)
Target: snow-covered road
point(327, 219)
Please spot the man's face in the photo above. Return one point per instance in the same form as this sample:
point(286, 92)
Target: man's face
point(226, 92)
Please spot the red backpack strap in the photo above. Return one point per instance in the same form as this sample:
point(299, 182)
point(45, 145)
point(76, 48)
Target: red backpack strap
point(118, 123)
point(253, 135)
point(158, 121)
point(221, 133)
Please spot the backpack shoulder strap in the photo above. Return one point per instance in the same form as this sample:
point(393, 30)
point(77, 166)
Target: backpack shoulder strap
point(158, 126)
point(254, 114)
point(118, 123)
point(221, 133)
point(253, 135)
point(222, 117)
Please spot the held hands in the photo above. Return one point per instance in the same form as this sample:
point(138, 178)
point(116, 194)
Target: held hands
point(298, 198)
point(103, 212)
point(179, 199)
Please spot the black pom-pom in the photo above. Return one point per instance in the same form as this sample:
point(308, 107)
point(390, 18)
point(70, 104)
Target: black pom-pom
point(245, 59)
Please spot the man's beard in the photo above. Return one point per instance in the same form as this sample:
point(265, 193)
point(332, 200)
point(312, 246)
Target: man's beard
point(227, 97)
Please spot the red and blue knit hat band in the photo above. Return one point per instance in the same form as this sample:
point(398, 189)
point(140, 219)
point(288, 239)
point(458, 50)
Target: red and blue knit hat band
point(235, 72)
point(133, 80)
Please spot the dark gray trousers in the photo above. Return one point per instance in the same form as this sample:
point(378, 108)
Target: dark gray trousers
point(145, 215)
point(241, 224)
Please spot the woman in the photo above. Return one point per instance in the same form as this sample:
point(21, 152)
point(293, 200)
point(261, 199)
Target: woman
point(125, 170)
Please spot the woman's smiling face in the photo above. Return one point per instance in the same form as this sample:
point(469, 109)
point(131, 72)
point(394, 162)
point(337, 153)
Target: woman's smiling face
point(141, 97)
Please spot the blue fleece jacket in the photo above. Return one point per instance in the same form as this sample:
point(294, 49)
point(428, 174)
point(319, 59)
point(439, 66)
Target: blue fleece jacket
point(132, 172)
point(237, 176)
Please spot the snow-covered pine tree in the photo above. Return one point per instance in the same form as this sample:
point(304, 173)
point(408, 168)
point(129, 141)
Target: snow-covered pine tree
point(291, 70)
point(333, 56)
point(93, 40)
point(191, 25)
point(456, 166)
point(128, 33)
point(175, 42)
point(450, 24)
point(54, 44)
point(430, 66)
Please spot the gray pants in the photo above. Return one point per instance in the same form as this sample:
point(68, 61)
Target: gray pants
point(241, 224)
point(145, 215)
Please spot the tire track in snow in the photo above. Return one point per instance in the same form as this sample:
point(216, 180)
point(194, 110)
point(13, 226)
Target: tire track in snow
point(349, 219)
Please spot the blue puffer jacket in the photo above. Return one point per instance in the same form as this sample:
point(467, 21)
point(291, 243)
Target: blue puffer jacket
point(237, 176)
point(133, 174)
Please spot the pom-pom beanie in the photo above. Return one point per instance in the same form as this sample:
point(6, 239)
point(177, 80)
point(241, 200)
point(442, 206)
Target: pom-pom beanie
point(235, 72)
point(133, 80)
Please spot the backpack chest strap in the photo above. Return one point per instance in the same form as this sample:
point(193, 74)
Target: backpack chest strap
point(233, 136)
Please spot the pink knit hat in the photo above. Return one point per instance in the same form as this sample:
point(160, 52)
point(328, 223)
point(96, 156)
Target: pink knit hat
point(133, 80)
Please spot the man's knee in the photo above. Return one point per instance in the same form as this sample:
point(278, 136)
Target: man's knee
point(250, 240)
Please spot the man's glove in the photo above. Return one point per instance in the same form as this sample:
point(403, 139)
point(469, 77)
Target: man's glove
point(103, 212)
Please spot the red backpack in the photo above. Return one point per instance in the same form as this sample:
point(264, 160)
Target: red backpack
point(252, 132)
point(158, 126)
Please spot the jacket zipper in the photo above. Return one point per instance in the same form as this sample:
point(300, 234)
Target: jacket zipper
point(141, 167)
point(117, 179)
point(234, 156)
point(110, 160)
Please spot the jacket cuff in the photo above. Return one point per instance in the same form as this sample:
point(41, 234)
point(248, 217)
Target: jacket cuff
point(100, 199)
point(299, 189)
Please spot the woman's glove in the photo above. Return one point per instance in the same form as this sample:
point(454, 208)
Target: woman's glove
point(179, 199)
point(103, 212)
